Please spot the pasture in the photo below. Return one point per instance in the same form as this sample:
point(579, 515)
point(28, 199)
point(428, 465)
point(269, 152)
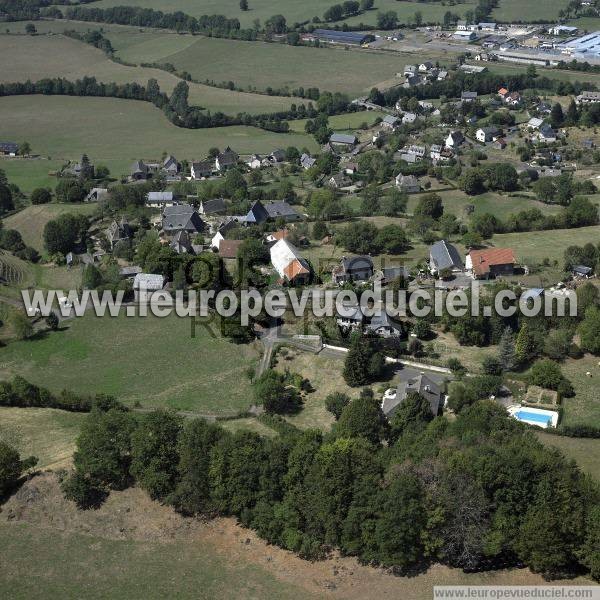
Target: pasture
point(29, 174)
point(153, 361)
point(67, 127)
point(294, 12)
point(353, 71)
point(28, 57)
point(585, 452)
point(30, 221)
point(46, 433)
point(516, 10)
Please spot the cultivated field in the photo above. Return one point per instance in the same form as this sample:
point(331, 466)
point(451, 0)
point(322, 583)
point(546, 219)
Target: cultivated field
point(149, 360)
point(30, 221)
point(141, 129)
point(27, 57)
point(353, 71)
point(46, 433)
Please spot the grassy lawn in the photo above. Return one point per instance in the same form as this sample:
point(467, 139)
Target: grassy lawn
point(514, 10)
point(66, 127)
point(46, 433)
point(345, 122)
point(585, 452)
point(154, 361)
point(34, 58)
point(353, 71)
point(29, 174)
point(561, 75)
point(585, 406)
point(30, 221)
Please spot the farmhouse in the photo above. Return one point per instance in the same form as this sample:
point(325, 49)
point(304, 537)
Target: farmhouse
point(182, 244)
point(147, 283)
point(382, 326)
point(200, 169)
point(96, 194)
point(490, 262)
point(421, 384)
point(170, 166)
point(209, 208)
point(254, 161)
point(455, 139)
point(142, 171)
point(259, 212)
point(408, 184)
point(9, 148)
point(159, 199)
point(354, 268)
point(337, 181)
point(226, 160)
point(342, 139)
point(288, 263)
point(307, 161)
point(118, 231)
point(390, 122)
point(443, 258)
point(181, 217)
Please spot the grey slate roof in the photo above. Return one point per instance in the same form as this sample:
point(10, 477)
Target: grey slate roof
point(280, 209)
point(181, 217)
point(421, 384)
point(342, 138)
point(445, 256)
point(216, 205)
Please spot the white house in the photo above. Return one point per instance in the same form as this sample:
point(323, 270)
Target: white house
point(487, 134)
point(255, 161)
point(455, 139)
point(288, 262)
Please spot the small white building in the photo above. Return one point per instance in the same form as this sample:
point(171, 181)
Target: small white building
point(145, 284)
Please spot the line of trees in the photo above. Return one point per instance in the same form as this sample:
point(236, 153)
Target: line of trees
point(477, 493)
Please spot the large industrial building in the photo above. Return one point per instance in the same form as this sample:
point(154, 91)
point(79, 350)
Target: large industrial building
point(332, 36)
point(586, 47)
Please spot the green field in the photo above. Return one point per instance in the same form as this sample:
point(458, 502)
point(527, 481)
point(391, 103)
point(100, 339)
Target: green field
point(29, 174)
point(258, 65)
point(27, 57)
point(294, 12)
point(66, 127)
point(151, 360)
point(30, 221)
point(46, 433)
point(516, 10)
point(585, 452)
point(558, 74)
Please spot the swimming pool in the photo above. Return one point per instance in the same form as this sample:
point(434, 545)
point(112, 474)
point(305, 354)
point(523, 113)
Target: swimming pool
point(524, 415)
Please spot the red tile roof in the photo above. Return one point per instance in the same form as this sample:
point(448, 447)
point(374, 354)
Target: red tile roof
point(482, 260)
point(229, 248)
point(294, 269)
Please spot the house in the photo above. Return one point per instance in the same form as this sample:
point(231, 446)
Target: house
point(412, 81)
point(147, 283)
point(455, 139)
point(255, 161)
point(307, 161)
point(546, 134)
point(464, 36)
point(288, 263)
point(181, 217)
point(390, 122)
point(351, 168)
point(444, 258)
point(229, 248)
point(337, 181)
point(139, 171)
point(282, 210)
point(9, 148)
point(354, 268)
point(226, 160)
point(96, 194)
point(513, 99)
point(425, 105)
point(487, 26)
point(499, 144)
point(201, 169)
point(535, 123)
point(171, 166)
point(257, 214)
point(129, 272)
point(342, 139)
point(277, 156)
point(382, 326)
point(209, 208)
point(408, 184)
point(408, 118)
point(425, 66)
point(410, 70)
point(442, 75)
point(461, 26)
point(587, 97)
point(216, 240)
point(544, 108)
point(582, 271)
point(490, 262)
point(422, 385)
point(418, 151)
point(503, 93)
point(118, 231)
point(487, 134)
point(159, 199)
point(181, 243)
point(562, 30)
point(468, 96)
point(352, 317)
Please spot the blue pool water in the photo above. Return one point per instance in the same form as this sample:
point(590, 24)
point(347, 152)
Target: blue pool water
point(524, 415)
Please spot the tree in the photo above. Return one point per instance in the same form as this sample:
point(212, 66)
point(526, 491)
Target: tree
point(92, 278)
point(590, 549)
point(502, 176)
point(276, 24)
point(244, 5)
point(589, 330)
point(393, 204)
point(12, 467)
point(6, 199)
point(362, 418)
point(547, 374)
point(391, 239)
point(30, 29)
point(367, 4)
point(387, 20)
point(557, 117)
point(506, 350)
point(252, 252)
point(25, 149)
point(360, 237)
point(413, 414)
point(319, 230)
point(363, 364)
point(430, 205)
point(524, 346)
point(61, 234)
point(22, 325)
point(491, 365)
point(272, 392)
point(41, 196)
point(69, 190)
point(52, 321)
point(472, 182)
point(336, 402)
point(154, 454)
